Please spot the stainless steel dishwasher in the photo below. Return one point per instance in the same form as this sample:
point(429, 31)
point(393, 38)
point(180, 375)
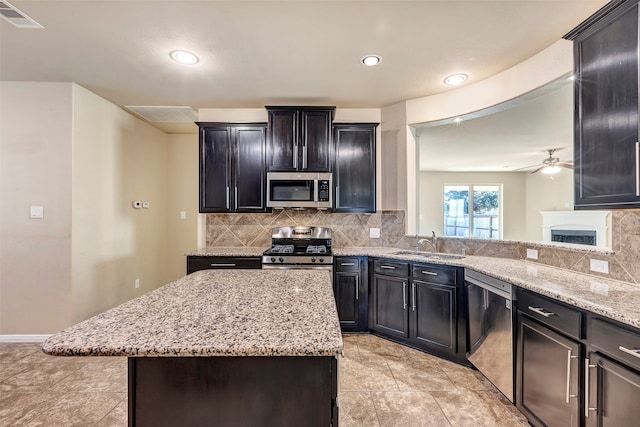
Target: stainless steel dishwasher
point(491, 320)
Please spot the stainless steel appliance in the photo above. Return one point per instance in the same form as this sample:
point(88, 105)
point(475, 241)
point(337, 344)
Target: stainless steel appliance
point(299, 190)
point(299, 247)
point(491, 321)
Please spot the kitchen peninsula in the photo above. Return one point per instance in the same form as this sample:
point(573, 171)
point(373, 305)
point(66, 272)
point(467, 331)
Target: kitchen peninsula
point(228, 347)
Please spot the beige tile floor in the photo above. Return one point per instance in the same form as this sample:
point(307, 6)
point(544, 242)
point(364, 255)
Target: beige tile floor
point(381, 384)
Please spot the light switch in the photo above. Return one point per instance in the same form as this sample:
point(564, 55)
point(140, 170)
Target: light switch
point(145, 205)
point(37, 212)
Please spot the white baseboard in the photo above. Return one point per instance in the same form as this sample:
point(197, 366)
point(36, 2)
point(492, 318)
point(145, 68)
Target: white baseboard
point(24, 338)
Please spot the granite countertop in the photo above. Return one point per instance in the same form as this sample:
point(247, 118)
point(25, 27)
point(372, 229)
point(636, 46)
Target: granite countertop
point(216, 313)
point(611, 298)
point(229, 251)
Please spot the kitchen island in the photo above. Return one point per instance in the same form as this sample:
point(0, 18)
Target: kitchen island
point(223, 347)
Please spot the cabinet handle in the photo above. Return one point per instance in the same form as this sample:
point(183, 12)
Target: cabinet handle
point(635, 353)
point(348, 264)
point(569, 395)
point(295, 155)
point(223, 265)
point(235, 197)
point(357, 289)
point(388, 267)
point(587, 387)
point(430, 273)
point(541, 311)
point(404, 295)
point(304, 156)
point(337, 196)
point(227, 203)
point(413, 285)
point(638, 169)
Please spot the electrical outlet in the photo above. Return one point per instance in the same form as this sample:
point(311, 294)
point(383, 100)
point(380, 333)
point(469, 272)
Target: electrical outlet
point(183, 214)
point(374, 233)
point(137, 283)
point(532, 253)
point(599, 266)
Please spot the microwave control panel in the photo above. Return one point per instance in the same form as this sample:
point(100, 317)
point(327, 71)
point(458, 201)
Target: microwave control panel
point(323, 190)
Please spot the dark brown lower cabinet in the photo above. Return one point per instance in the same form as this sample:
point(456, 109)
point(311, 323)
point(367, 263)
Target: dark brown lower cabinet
point(433, 316)
point(195, 263)
point(612, 393)
point(351, 291)
point(547, 378)
point(233, 391)
point(389, 295)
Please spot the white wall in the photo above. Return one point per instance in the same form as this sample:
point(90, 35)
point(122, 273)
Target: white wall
point(84, 160)
point(35, 254)
point(431, 204)
point(552, 63)
point(117, 159)
point(546, 194)
point(182, 195)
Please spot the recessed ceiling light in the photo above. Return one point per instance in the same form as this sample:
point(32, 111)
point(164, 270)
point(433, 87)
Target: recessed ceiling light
point(184, 57)
point(371, 60)
point(455, 79)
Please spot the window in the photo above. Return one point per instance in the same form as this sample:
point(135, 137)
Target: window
point(472, 211)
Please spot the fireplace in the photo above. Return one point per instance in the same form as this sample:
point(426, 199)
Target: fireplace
point(584, 228)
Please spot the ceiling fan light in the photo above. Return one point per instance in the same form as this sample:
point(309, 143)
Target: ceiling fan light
point(551, 170)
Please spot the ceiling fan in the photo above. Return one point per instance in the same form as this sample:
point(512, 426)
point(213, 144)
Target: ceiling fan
point(552, 165)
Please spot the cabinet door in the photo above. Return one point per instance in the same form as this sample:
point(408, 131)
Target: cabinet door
point(433, 316)
point(547, 375)
point(354, 172)
point(315, 144)
point(282, 140)
point(249, 169)
point(215, 169)
point(390, 315)
point(613, 394)
point(606, 151)
point(347, 292)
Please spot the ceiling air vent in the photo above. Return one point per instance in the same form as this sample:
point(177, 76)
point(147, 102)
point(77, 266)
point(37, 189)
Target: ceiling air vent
point(16, 17)
point(164, 114)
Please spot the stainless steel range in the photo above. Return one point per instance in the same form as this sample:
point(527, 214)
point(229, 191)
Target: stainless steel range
point(299, 247)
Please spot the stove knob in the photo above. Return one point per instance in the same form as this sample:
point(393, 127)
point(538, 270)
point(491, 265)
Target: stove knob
point(273, 259)
point(321, 259)
point(281, 259)
point(313, 259)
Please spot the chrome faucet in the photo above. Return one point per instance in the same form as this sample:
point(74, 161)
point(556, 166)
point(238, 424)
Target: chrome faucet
point(433, 241)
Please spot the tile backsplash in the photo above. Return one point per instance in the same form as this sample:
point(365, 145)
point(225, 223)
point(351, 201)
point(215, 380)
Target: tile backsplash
point(353, 230)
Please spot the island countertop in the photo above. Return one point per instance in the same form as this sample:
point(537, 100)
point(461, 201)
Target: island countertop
point(216, 313)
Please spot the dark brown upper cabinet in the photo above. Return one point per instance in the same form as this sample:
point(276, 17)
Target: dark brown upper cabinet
point(607, 148)
point(354, 168)
point(299, 139)
point(232, 167)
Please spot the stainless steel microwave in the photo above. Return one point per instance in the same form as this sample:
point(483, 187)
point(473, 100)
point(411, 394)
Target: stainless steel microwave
point(299, 190)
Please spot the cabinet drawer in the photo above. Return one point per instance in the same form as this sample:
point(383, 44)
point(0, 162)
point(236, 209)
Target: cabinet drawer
point(391, 268)
point(622, 344)
point(435, 274)
point(195, 263)
point(551, 313)
point(346, 264)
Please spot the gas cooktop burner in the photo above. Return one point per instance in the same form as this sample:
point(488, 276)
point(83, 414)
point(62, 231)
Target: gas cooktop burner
point(282, 249)
point(320, 249)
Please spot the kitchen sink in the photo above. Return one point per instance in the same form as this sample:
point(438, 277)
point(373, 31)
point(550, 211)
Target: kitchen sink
point(428, 255)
